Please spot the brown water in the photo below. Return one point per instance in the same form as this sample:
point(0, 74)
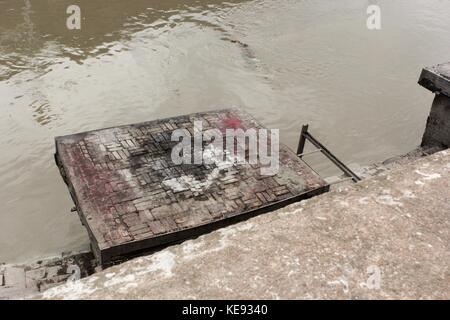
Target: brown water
point(286, 62)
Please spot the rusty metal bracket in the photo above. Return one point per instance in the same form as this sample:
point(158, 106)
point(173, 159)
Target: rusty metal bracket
point(305, 135)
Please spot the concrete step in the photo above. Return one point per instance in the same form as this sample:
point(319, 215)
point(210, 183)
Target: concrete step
point(9, 293)
point(14, 277)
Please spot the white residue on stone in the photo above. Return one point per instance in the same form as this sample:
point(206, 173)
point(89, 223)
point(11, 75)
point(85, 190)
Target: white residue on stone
point(388, 200)
point(126, 174)
point(231, 231)
point(191, 250)
point(163, 261)
point(127, 287)
point(183, 183)
point(409, 194)
point(288, 212)
point(428, 176)
point(245, 227)
point(189, 182)
point(344, 204)
point(119, 279)
point(363, 200)
point(190, 246)
point(72, 290)
point(210, 155)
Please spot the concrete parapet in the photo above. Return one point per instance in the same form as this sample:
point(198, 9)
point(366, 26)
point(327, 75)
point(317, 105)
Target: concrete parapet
point(437, 80)
point(386, 237)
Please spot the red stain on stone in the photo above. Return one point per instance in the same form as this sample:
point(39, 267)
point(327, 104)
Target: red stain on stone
point(232, 122)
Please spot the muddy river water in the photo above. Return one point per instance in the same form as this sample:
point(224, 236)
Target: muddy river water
point(287, 62)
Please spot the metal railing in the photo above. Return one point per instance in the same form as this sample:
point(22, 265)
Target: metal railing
point(305, 135)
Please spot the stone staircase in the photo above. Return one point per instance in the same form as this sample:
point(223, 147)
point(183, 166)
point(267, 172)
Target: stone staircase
point(22, 280)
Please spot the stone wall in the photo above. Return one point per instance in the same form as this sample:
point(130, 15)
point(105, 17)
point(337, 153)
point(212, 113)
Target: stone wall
point(437, 80)
point(437, 131)
point(22, 280)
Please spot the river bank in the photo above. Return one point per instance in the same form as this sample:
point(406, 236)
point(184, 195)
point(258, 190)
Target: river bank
point(393, 225)
point(386, 237)
point(29, 279)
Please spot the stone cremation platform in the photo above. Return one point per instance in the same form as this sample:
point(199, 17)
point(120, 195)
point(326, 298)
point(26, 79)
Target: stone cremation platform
point(131, 196)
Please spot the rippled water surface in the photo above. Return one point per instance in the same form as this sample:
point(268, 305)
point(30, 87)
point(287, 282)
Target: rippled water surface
point(286, 62)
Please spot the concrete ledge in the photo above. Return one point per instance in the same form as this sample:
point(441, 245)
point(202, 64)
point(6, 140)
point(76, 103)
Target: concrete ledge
point(387, 237)
point(22, 280)
point(436, 78)
point(437, 131)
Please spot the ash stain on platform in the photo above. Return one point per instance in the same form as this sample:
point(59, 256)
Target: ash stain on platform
point(128, 191)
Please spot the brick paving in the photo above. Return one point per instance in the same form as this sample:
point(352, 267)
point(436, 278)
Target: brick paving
point(131, 196)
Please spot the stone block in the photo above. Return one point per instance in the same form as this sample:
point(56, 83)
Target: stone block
point(14, 277)
point(437, 80)
point(437, 131)
point(52, 272)
point(36, 274)
point(15, 293)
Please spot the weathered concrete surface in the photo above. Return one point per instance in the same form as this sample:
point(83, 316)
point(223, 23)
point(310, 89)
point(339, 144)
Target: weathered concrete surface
point(328, 247)
point(378, 168)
